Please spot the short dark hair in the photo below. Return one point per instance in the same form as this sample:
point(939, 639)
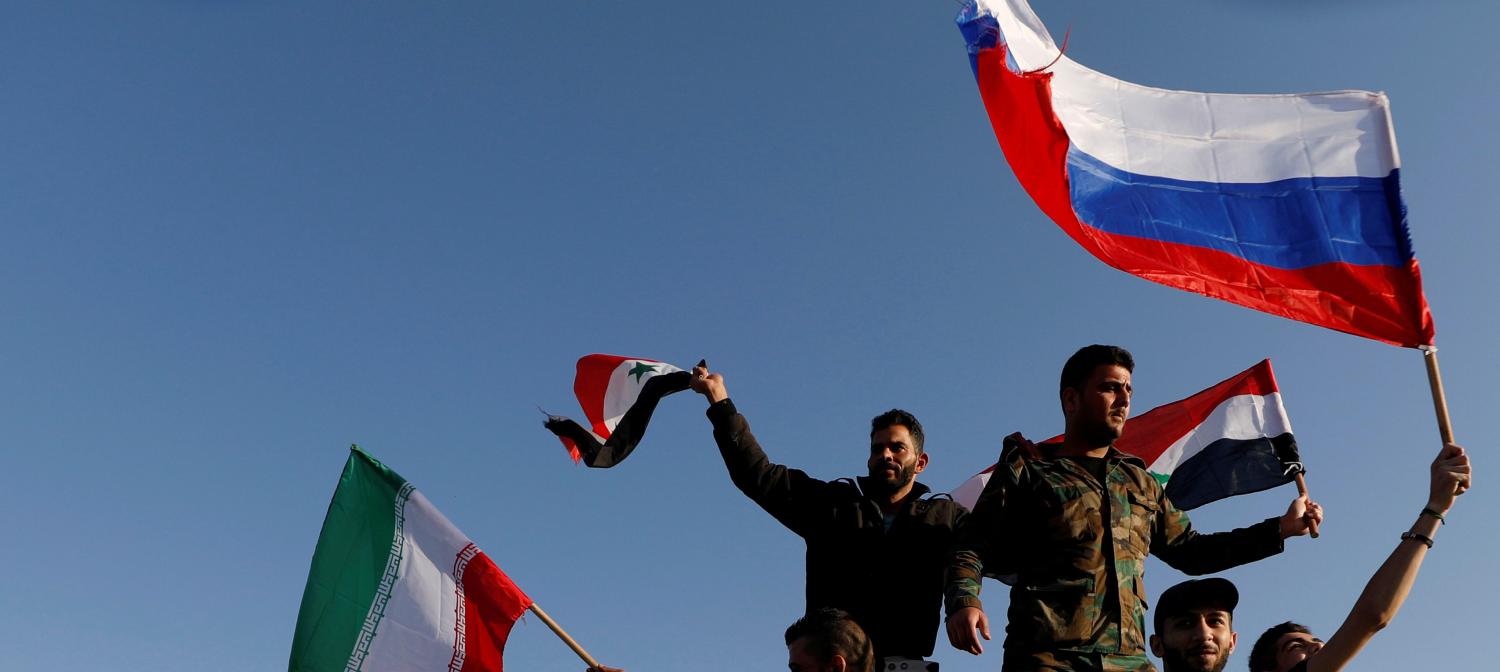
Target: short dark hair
point(1081, 365)
point(831, 632)
point(897, 416)
point(1263, 654)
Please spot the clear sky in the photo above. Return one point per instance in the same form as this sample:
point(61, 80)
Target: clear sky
point(240, 235)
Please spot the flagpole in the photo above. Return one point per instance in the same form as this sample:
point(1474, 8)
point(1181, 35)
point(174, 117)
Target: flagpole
point(563, 635)
point(1439, 400)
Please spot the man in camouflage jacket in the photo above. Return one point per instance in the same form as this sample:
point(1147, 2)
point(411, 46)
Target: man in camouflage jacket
point(1070, 525)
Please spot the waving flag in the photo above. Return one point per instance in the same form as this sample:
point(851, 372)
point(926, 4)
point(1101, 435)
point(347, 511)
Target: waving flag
point(618, 395)
point(395, 586)
point(1231, 439)
point(1288, 204)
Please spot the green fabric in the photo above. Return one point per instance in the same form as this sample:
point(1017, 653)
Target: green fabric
point(347, 565)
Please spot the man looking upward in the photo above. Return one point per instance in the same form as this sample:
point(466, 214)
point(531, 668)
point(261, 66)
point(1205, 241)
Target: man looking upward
point(1073, 522)
point(875, 547)
point(1290, 647)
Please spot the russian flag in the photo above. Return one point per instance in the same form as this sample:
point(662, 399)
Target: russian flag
point(1231, 439)
point(1288, 204)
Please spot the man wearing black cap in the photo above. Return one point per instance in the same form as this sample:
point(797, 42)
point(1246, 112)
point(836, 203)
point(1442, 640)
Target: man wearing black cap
point(1194, 626)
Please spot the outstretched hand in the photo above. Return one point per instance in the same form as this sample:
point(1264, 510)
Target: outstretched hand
point(962, 626)
point(710, 385)
point(1301, 517)
point(1451, 476)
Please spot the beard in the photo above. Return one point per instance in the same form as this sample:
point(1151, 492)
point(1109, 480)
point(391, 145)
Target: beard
point(888, 484)
point(1101, 433)
point(1176, 661)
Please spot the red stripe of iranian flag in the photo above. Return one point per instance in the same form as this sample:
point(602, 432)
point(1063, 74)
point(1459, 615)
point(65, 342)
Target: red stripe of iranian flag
point(395, 586)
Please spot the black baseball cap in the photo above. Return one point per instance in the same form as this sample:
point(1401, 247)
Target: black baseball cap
point(1194, 593)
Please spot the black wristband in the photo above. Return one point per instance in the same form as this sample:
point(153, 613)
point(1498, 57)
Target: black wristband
point(1417, 536)
point(1427, 511)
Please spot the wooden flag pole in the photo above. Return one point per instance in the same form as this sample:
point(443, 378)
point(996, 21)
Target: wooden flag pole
point(1439, 400)
point(1312, 528)
point(563, 635)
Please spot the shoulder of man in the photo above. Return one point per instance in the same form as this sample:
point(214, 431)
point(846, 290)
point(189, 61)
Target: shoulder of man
point(1016, 453)
point(937, 504)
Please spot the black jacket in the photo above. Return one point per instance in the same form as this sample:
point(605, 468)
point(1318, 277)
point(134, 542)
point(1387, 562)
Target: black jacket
point(890, 582)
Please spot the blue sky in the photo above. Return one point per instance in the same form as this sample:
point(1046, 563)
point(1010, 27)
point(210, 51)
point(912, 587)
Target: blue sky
point(240, 236)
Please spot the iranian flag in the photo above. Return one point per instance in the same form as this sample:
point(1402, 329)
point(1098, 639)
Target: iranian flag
point(395, 586)
point(1231, 439)
point(618, 395)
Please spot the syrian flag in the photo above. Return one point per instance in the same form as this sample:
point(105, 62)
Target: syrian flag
point(395, 586)
point(618, 395)
point(1231, 439)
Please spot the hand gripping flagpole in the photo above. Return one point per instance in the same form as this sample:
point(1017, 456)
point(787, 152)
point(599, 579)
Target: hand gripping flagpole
point(563, 635)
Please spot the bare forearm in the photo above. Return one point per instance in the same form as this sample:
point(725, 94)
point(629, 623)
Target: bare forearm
point(1389, 587)
point(1381, 599)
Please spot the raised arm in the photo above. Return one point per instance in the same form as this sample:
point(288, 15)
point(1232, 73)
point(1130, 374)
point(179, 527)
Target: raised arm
point(1388, 589)
point(780, 490)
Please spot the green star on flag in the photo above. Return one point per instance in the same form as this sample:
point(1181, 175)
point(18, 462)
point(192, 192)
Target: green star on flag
point(640, 369)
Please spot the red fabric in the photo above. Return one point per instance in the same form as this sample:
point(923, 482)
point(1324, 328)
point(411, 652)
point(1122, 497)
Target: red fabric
point(492, 603)
point(1388, 306)
point(590, 385)
point(1149, 434)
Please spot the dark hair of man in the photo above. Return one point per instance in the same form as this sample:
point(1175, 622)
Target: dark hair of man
point(1081, 365)
point(897, 416)
point(1263, 654)
point(831, 632)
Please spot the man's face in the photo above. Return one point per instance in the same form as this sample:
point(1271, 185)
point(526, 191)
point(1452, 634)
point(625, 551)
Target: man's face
point(1098, 411)
point(894, 460)
point(799, 660)
point(1199, 640)
point(1294, 647)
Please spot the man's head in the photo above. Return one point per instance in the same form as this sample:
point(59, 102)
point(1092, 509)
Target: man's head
point(896, 455)
point(1194, 626)
point(827, 640)
point(1095, 393)
point(1283, 646)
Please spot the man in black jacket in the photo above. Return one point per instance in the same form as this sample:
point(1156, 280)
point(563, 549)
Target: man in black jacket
point(875, 548)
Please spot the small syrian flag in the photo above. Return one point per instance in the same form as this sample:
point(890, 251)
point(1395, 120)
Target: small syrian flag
point(1231, 439)
point(618, 395)
point(395, 586)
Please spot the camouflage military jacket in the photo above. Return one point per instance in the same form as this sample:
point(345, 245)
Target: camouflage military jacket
point(1074, 549)
point(890, 580)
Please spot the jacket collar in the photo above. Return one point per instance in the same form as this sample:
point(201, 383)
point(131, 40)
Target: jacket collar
point(1049, 452)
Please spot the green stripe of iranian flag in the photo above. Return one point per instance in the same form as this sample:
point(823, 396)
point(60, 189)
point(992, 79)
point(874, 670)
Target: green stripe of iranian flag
point(395, 586)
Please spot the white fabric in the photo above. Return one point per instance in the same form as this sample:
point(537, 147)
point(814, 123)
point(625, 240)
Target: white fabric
point(1204, 137)
point(1247, 416)
point(623, 388)
point(417, 632)
point(968, 493)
